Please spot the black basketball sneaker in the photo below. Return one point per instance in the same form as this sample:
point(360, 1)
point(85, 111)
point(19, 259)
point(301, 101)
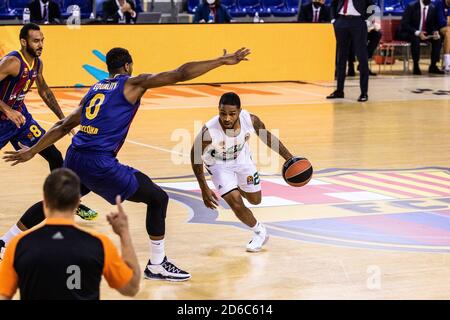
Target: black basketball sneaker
point(165, 271)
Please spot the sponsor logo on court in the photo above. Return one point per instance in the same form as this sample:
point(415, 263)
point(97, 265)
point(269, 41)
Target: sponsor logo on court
point(406, 209)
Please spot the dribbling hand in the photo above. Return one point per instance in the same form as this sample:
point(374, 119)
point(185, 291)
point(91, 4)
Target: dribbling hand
point(210, 199)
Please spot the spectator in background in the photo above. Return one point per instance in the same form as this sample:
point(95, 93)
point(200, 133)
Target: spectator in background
point(316, 11)
point(211, 11)
point(138, 6)
point(44, 11)
point(119, 11)
point(348, 17)
point(443, 10)
point(59, 261)
point(373, 39)
point(420, 23)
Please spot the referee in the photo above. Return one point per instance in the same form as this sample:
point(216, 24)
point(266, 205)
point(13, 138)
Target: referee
point(57, 260)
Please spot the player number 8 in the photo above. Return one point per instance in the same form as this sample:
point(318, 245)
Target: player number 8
point(35, 131)
point(94, 106)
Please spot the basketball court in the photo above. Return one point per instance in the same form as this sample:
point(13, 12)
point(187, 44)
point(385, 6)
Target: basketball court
point(374, 223)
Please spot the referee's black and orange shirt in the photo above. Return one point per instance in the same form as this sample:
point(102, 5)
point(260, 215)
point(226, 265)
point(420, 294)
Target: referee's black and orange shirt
point(59, 261)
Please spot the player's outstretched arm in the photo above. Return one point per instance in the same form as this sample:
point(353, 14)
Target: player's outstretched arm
point(136, 86)
point(10, 66)
point(269, 139)
point(59, 130)
point(202, 141)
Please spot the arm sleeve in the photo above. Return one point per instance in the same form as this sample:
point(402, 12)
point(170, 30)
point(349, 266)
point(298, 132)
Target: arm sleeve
point(116, 272)
point(8, 275)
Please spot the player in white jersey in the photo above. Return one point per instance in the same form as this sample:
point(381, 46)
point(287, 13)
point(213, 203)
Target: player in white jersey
point(222, 147)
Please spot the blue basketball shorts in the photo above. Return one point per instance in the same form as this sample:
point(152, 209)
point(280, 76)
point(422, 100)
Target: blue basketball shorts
point(102, 173)
point(28, 134)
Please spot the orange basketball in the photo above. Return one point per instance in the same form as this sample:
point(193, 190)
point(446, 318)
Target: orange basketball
point(297, 171)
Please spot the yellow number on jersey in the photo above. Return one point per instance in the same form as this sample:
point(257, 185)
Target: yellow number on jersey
point(94, 106)
point(35, 131)
point(25, 89)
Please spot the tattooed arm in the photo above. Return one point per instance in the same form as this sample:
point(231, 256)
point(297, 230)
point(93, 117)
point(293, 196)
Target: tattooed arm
point(47, 94)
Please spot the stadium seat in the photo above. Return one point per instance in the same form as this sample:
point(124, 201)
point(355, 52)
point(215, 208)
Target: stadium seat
point(250, 7)
point(5, 12)
point(395, 7)
point(292, 6)
point(17, 6)
point(192, 5)
point(277, 8)
point(233, 9)
point(388, 43)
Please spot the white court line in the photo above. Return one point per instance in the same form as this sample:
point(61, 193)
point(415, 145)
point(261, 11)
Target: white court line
point(135, 142)
point(320, 95)
point(150, 107)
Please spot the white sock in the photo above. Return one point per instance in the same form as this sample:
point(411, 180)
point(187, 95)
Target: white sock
point(447, 61)
point(158, 253)
point(258, 227)
point(14, 231)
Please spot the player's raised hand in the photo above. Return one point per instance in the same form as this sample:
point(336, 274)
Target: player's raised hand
point(235, 58)
point(16, 117)
point(118, 219)
point(22, 155)
point(210, 198)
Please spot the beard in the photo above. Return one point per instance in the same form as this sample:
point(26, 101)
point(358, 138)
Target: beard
point(229, 126)
point(32, 52)
point(317, 4)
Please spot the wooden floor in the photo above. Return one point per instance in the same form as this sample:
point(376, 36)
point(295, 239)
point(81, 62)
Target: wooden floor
point(373, 224)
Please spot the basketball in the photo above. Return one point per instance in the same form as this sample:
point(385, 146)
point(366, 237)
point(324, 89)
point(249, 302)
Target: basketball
point(297, 171)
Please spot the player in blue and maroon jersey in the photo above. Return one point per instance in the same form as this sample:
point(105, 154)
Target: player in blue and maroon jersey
point(105, 115)
point(19, 70)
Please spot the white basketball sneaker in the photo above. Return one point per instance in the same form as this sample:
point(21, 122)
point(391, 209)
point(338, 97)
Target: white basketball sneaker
point(259, 239)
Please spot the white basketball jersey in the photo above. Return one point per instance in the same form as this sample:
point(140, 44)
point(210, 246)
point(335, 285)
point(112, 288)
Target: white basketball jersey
point(226, 148)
